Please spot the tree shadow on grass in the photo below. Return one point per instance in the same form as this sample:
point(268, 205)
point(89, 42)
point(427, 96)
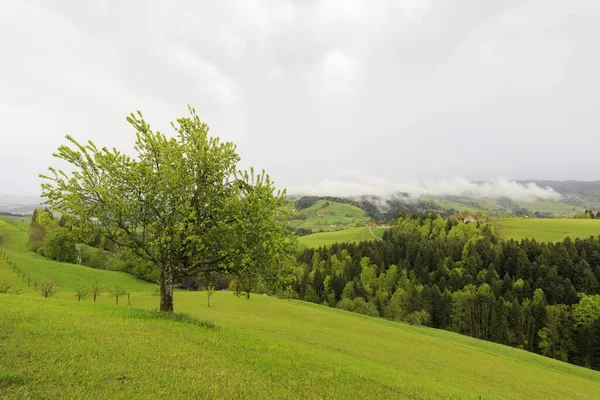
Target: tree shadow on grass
point(175, 317)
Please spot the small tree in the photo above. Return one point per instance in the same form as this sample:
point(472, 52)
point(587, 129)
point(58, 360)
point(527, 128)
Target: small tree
point(128, 293)
point(210, 290)
point(48, 288)
point(82, 293)
point(95, 290)
point(118, 291)
point(4, 286)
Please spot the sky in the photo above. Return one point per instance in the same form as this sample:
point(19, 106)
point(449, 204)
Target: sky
point(324, 95)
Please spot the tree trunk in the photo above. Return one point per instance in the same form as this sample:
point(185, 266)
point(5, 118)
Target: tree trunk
point(166, 289)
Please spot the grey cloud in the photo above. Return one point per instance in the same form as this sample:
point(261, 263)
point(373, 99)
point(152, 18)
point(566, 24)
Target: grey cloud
point(408, 91)
point(357, 186)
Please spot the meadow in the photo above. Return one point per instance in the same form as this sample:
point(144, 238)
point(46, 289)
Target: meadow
point(323, 214)
point(347, 235)
point(546, 230)
point(264, 347)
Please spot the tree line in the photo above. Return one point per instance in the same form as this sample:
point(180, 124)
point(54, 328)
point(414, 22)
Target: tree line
point(541, 297)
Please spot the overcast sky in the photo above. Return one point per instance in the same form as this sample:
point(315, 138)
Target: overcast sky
point(313, 91)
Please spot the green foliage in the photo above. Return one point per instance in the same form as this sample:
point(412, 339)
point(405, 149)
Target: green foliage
point(118, 291)
point(363, 307)
point(180, 205)
point(4, 286)
point(96, 289)
point(59, 244)
point(82, 293)
point(48, 288)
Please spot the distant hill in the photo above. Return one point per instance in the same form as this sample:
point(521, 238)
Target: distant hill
point(19, 204)
point(578, 193)
point(326, 215)
point(577, 196)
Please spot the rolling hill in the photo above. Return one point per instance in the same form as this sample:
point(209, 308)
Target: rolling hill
point(327, 216)
point(68, 276)
point(262, 347)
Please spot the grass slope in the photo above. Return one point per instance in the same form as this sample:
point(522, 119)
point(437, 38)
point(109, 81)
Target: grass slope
point(263, 348)
point(340, 214)
point(347, 235)
point(69, 277)
point(546, 230)
point(267, 348)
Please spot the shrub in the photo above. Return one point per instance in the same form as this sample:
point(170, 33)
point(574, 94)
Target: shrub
point(345, 304)
point(95, 289)
point(117, 292)
point(4, 286)
point(417, 317)
point(48, 288)
point(59, 244)
point(82, 293)
point(363, 307)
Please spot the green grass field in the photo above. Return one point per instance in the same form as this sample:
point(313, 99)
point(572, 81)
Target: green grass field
point(261, 348)
point(340, 214)
point(552, 207)
point(347, 235)
point(68, 276)
point(546, 230)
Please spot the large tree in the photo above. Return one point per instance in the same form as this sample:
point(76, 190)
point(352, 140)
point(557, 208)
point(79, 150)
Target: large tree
point(180, 204)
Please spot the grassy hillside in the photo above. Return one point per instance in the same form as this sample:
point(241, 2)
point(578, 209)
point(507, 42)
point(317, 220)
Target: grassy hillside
point(323, 214)
point(262, 348)
point(347, 235)
point(549, 230)
point(69, 277)
point(266, 348)
point(497, 207)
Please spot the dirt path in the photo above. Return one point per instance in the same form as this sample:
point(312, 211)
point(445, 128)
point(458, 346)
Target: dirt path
point(374, 235)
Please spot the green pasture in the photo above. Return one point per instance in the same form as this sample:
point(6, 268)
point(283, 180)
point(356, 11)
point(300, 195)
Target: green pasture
point(546, 230)
point(346, 235)
point(323, 214)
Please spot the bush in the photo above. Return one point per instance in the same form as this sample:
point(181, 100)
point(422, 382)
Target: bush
point(345, 304)
point(363, 307)
point(93, 258)
point(96, 290)
point(36, 236)
point(48, 288)
point(4, 286)
point(82, 293)
point(417, 317)
point(59, 244)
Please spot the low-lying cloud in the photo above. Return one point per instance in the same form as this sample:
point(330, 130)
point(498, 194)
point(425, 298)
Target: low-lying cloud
point(358, 186)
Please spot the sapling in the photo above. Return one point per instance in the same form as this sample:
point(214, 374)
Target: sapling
point(48, 288)
point(81, 293)
point(118, 291)
point(95, 289)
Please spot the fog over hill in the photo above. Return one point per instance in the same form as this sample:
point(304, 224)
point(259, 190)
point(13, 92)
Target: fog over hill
point(357, 186)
